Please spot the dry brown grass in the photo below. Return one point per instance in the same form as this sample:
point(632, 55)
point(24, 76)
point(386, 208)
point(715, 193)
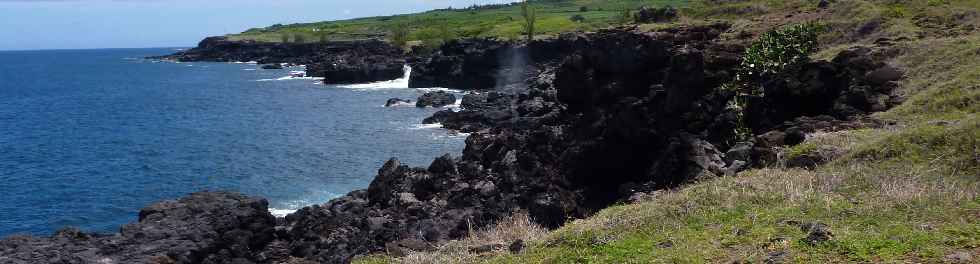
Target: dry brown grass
point(515, 227)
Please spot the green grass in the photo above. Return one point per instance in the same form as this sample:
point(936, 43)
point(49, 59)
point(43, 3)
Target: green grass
point(502, 22)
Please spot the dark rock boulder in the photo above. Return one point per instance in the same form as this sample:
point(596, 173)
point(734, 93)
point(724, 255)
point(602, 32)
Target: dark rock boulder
point(436, 99)
point(468, 64)
point(396, 101)
point(200, 228)
point(479, 111)
point(274, 66)
point(358, 70)
point(823, 4)
point(339, 62)
point(856, 82)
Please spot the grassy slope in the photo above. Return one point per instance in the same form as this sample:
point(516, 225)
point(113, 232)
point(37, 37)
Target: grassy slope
point(906, 193)
point(503, 22)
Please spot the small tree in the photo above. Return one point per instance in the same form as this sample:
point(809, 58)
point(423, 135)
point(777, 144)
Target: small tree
point(530, 18)
point(284, 38)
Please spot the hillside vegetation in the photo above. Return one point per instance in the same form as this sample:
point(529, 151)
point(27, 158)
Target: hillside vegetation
point(908, 192)
point(503, 21)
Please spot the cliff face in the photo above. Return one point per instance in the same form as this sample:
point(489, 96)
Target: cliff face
point(595, 119)
point(339, 62)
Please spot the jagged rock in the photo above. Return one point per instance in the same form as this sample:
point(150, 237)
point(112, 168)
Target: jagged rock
point(741, 151)
point(516, 247)
point(823, 4)
point(436, 99)
point(212, 227)
point(735, 167)
point(883, 75)
point(480, 111)
point(339, 62)
point(816, 232)
point(360, 69)
point(606, 115)
point(274, 66)
point(396, 101)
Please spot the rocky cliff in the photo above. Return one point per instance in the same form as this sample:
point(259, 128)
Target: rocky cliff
point(339, 62)
point(594, 119)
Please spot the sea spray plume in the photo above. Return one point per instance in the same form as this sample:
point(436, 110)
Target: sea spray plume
point(514, 63)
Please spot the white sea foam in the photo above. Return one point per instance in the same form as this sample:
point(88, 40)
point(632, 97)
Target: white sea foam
point(248, 69)
point(281, 212)
point(400, 83)
point(251, 62)
point(426, 126)
point(437, 89)
point(400, 104)
point(290, 78)
point(457, 104)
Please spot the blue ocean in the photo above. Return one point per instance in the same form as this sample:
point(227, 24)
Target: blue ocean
point(88, 137)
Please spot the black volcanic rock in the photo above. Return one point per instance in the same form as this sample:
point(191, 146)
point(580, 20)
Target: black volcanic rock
point(339, 62)
point(357, 69)
point(396, 101)
point(273, 66)
point(436, 99)
point(603, 117)
point(200, 228)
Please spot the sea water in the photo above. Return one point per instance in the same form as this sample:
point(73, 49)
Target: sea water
point(88, 137)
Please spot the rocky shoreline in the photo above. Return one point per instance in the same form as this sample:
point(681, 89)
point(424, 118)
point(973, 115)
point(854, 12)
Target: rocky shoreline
point(338, 62)
point(561, 129)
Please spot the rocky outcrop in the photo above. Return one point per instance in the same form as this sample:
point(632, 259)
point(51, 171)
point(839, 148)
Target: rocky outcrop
point(557, 149)
point(200, 228)
point(436, 99)
point(358, 69)
point(396, 101)
point(339, 62)
point(467, 64)
point(620, 114)
point(854, 83)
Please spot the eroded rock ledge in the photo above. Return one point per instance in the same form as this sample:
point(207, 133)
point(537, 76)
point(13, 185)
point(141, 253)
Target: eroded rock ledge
point(604, 117)
point(339, 62)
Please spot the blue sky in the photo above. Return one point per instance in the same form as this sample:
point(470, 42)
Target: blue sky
point(88, 24)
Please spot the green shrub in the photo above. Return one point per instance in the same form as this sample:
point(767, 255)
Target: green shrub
point(775, 52)
point(530, 17)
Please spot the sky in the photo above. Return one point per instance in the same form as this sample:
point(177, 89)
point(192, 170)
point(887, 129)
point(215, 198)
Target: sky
point(91, 24)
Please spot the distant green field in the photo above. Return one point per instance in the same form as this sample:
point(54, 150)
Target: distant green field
point(503, 21)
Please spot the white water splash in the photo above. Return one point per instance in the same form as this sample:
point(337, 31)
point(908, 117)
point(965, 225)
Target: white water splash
point(426, 126)
point(400, 83)
point(290, 78)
